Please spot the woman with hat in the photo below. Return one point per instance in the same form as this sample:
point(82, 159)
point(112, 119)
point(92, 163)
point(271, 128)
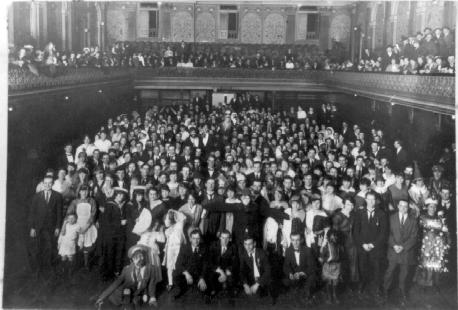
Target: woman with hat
point(136, 285)
point(435, 246)
point(85, 208)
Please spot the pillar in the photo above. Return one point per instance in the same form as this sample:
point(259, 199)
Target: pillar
point(353, 30)
point(70, 26)
point(64, 25)
point(372, 23)
point(10, 24)
point(394, 22)
point(35, 21)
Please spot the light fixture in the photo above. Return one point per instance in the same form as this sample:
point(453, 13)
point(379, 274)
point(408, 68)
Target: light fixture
point(10, 109)
point(66, 98)
point(392, 103)
point(453, 116)
point(102, 24)
point(159, 3)
point(355, 95)
point(85, 29)
point(99, 91)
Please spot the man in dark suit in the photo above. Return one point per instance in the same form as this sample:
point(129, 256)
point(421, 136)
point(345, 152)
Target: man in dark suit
point(257, 174)
point(400, 156)
point(191, 266)
point(401, 247)
point(370, 232)
point(45, 221)
point(67, 156)
point(300, 266)
point(255, 273)
point(223, 263)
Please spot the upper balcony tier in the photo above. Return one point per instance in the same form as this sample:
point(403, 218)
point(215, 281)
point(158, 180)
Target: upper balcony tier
point(426, 92)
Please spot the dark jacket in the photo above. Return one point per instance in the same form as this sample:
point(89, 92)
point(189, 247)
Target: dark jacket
point(247, 271)
point(404, 235)
point(195, 264)
point(43, 215)
point(307, 262)
point(375, 231)
point(227, 261)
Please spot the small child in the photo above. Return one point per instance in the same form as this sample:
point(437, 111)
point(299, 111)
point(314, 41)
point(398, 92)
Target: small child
point(330, 253)
point(68, 238)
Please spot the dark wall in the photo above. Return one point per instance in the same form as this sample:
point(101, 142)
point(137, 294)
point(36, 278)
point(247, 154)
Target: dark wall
point(39, 125)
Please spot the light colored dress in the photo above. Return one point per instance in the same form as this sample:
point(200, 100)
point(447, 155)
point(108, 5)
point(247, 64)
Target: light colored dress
point(150, 239)
point(175, 238)
point(66, 244)
point(85, 210)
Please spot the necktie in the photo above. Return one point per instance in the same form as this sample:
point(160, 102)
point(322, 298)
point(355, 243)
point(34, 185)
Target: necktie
point(47, 197)
point(371, 215)
point(196, 250)
point(403, 220)
point(252, 260)
point(223, 250)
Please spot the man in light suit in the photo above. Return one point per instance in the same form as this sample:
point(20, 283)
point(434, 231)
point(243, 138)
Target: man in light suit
point(45, 221)
point(401, 247)
point(136, 285)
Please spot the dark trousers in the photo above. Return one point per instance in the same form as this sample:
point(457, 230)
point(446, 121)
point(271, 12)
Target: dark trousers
point(369, 268)
point(303, 284)
point(119, 251)
point(105, 251)
point(215, 286)
point(43, 250)
point(390, 274)
point(180, 281)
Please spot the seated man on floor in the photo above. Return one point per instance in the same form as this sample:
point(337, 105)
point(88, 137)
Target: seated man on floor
point(255, 272)
point(191, 266)
point(223, 263)
point(136, 284)
point(299, 267)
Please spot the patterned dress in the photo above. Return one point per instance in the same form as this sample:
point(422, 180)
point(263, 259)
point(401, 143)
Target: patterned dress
point(434, 249)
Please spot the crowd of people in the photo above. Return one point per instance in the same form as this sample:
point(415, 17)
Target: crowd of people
point(241, 200)
point(428, 52)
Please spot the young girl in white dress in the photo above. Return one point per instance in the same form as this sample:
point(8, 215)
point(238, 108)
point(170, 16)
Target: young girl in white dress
point(66, 243)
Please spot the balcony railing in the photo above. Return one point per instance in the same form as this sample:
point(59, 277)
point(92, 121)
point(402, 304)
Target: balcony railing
point(433, 93)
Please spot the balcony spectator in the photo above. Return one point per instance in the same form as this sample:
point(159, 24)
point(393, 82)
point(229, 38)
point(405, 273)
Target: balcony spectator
point(393, 67)
point(428, 46)
point(449, 41)
point(387, 56)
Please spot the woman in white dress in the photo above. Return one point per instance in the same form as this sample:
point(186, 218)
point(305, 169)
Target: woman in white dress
point(174, 223)
point(151, 238)
point(85, 208)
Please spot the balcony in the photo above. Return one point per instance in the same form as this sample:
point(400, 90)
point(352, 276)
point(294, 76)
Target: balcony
point(430, 93)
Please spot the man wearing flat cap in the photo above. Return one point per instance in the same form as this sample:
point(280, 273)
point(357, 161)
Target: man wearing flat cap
point(136, 285)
